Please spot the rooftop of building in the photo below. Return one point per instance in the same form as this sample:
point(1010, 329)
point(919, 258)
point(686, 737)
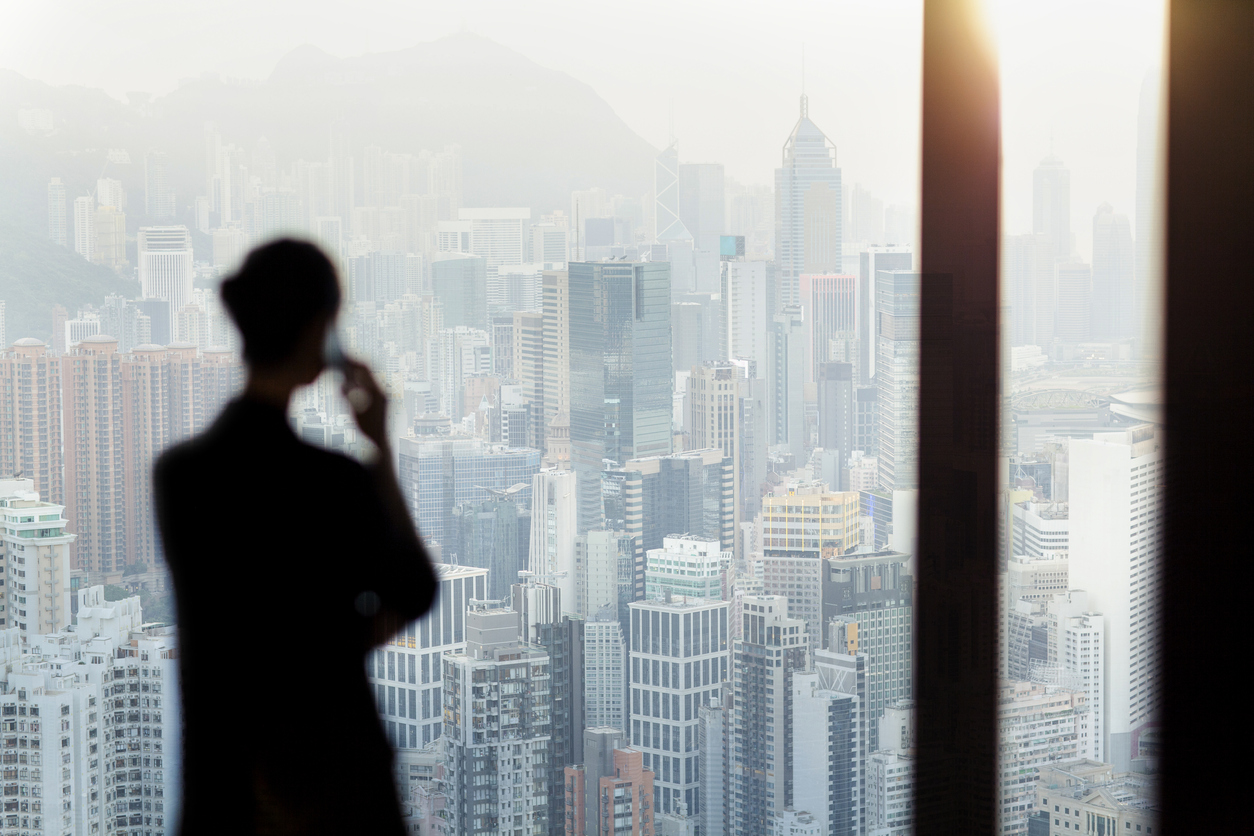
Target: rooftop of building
point(678, 604)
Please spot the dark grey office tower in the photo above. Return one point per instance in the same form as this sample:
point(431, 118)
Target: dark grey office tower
point(877, 592)
point(837, 410)
point(683, 493)
point(1113, 289)
point(494, 535)
point(771, 648)
point(897, 376)
point(461, 283)
point(866, 428)
point(870, 261)
point(620, 371)
point(598, 746)
point(541, 623)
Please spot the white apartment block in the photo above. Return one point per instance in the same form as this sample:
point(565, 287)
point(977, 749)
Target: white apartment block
point(1116, 491)
point(687, 566)
point(604, 671)
point(405, 672)
point(680, 656)
point(34, 561)
point(1036, 725)
point(889, 794)
point(89, 725)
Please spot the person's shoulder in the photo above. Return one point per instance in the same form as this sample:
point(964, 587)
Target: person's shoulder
point(181, 457)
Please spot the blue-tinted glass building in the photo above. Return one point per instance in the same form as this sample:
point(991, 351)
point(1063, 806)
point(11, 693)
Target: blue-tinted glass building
point(620, 370)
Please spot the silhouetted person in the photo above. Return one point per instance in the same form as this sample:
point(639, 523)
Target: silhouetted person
point(289, 564)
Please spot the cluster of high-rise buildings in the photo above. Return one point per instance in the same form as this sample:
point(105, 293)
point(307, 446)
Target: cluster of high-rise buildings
point(665, 453)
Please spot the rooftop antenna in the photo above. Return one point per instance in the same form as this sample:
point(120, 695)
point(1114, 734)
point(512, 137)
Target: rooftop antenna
point(805, 104)
point(671, 125)
point(577, 258)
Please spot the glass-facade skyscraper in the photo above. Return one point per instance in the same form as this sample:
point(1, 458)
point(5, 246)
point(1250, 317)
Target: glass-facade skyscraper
point(620, 370)
point(807, 207)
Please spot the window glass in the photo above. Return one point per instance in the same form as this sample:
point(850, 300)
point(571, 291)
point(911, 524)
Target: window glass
point(1082, 446)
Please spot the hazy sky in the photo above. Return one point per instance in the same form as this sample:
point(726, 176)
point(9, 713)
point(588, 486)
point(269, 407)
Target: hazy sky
point(729, 72)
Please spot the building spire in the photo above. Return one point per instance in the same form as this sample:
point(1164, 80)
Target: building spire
point(805, 100)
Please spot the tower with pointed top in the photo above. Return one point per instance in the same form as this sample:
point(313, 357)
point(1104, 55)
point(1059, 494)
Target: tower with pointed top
point(808, 222)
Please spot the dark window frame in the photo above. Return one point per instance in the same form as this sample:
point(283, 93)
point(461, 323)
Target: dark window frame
point(1208, 349)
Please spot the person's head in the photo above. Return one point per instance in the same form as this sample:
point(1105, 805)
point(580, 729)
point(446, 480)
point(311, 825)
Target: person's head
point(283, 299)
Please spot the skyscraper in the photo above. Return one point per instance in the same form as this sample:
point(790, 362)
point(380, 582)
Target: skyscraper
point(771, 649)
point(30, 417)
point(159, 202)
point(35, 556)
point(666, 222)
point(611, 791)
point(461, 283)
point(605, 672)
point(716, 419)
point(501, 236)
point(165, 265)
point(687, 567)
point(1051, 204)
point(897, 377)
point(807, 206)
point(556, 347)
point(829, 742)
point(785, 380)
point(870, 599)
point(831, 312)
point(1028, 263)
point(413, 716)
point(543, 624)
point(746, 312)
point(1074, 284)
point(608, 560)
point(870, 262)
point(498, 729)
point(1114, 303)
point(680, 656)
point(436, 474)
point(701, 203)
point(95, 453)
point(837, 411)
point(85, 227)
point(683, 493)
point(620, 371)
point(528, 368)
point(493, 535)
point(554, 516)
point(56, 211)
point(1116, 493)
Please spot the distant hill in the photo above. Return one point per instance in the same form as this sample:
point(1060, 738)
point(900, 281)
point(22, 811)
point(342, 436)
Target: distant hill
point(36, 274)
point(529, 135)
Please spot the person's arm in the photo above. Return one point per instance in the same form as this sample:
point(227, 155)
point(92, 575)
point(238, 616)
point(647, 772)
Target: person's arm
point(407, 581)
